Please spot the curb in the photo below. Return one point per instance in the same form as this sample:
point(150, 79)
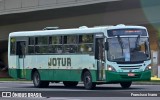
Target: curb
point(155, 79)
point(16, 81)
point(146, 83)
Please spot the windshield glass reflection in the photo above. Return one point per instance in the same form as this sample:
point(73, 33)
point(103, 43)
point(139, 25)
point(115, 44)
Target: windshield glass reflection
point(128, 49)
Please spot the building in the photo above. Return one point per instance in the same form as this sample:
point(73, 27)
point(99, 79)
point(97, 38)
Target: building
point(26, 15)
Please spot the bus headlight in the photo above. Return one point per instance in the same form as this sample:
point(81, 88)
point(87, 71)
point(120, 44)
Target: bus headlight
point(149, 67)
point(111, 68)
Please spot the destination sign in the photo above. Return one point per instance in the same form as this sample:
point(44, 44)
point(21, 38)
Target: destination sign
point(120, 32)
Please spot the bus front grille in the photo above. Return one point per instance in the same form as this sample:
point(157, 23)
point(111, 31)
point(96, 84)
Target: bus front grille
point(130, 67)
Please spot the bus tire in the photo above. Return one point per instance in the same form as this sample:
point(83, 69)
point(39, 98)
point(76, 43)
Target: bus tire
point(37, 81)
point(70, 84)
point(125, 85)
point(87, 79)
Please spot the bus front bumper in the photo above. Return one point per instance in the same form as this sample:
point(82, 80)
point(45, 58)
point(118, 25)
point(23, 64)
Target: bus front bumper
point(124, 76)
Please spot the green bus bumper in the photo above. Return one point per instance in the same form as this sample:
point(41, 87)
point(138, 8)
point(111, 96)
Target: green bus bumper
point(123, 76)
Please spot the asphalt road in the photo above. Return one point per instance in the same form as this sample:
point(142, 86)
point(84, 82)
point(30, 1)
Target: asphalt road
point(56, 91)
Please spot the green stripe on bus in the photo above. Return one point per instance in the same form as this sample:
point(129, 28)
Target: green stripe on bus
point(75, 75)
point(52, 74)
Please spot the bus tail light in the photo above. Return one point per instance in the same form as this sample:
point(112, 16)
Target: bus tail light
point(111, 68)
point(149, 67)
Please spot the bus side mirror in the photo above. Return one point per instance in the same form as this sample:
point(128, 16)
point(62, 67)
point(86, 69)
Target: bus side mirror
point(106, 46)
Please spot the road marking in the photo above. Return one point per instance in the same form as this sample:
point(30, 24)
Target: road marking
point(4, 87)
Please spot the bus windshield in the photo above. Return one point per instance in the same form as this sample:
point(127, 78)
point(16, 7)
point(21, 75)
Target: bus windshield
point(128, 49)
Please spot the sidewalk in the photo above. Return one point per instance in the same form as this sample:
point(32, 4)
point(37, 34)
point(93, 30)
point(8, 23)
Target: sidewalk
point(155, 79)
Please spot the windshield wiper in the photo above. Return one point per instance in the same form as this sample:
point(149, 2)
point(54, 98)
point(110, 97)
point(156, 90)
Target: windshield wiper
point(120, 42)
point(137, 41)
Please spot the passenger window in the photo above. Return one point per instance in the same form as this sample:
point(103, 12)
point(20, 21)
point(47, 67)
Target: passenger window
point(70, 44)
point(41, 40)
point(30, 49)
point(70, 48)
point(85, 43)
point(12, 46)
point(41, 44)
point(86, 38)
point(70, 39)
point(55, 49)
point(41, 49)
point(55, 40)
point(55, 44)
point(31, 43)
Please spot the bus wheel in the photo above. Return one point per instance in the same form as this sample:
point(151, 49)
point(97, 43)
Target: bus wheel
point(87, 79)
point(37, 81)
point(70, 84)
point(125, 85)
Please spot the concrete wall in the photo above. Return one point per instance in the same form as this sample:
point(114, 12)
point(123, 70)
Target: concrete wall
point(18, 6)
point(132, 16)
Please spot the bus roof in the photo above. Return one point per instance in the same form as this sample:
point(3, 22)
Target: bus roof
point(79, 30)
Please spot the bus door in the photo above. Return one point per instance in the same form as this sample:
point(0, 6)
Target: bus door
point(100, 58)
point(20, 52)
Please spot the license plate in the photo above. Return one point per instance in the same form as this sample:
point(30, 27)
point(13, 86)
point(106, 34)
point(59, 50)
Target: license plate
point(131, 74)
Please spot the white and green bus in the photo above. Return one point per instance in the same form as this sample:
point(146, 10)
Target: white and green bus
point(97, 55)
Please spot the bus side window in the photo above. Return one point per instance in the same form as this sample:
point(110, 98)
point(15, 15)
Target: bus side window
point(31, 43)
point(70, 44)
point(55, 44)
point(30, 49)
point(42, 40)
point(85, 43)
point(41, 44)
point(12, 46)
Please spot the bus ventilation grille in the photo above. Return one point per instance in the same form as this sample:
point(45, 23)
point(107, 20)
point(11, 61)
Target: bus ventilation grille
point(130, 67)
